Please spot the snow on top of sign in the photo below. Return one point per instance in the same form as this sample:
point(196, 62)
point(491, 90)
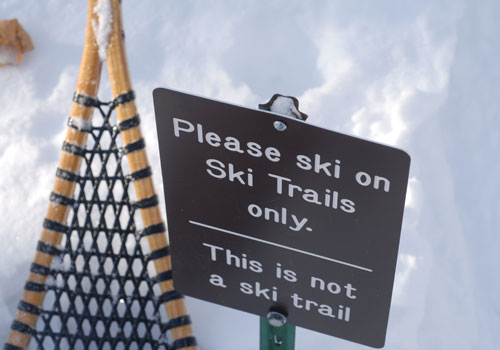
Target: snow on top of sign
point(102, 27)
point(286, 106)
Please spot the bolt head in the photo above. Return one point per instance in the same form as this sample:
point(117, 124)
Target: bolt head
point(279, 125)
point(276, 319)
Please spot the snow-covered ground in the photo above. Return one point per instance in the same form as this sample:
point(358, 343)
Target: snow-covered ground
point(419, 75)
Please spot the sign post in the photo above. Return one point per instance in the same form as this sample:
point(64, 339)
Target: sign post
point(300, 220)
point(276, 335)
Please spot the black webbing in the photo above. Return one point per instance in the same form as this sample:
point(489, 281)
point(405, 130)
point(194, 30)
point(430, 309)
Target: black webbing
point(54, 226)
point(29, 308)
point(123, 98)
point(162, 277)
point(73, 149)
point(84, 100)
point(178, 322)
point(169, 296)
point(141, 174)
point(82, 125)
point(129, 123)
point(88, 101)
point(39, 269)
point(11, 347)
point(99, 293)
point(134, 146)
point(147, 202)
point(47, 248)
point(159, 253)
point(184, 343)
point(67, 175)
point(34, 287)
point(21, 327)
point(60, 199)
point(154, 229)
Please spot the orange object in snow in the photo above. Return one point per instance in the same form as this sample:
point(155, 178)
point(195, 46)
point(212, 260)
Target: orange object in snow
point(14, 42)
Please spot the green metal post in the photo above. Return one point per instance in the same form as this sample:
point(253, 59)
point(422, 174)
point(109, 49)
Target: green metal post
point(275, 332)
point(276, 338)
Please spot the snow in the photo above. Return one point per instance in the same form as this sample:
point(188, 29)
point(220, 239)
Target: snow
point(284, 105)
point(79, 123)
point(8, 55)
point(102, 28)
point(60, 264)
point(421, 76)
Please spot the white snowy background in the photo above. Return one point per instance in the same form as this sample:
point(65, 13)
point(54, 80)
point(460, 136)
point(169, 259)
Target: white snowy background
point(422, 75)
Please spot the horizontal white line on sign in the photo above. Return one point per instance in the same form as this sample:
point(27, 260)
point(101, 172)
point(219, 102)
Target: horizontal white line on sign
point(280, 246)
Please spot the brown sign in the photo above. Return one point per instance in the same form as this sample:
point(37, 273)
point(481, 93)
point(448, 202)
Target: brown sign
point(266, 212)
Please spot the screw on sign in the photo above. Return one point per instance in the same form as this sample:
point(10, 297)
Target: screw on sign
point(260, 222)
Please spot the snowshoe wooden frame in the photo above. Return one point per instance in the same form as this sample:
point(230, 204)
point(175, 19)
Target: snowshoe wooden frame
point(87, 85)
